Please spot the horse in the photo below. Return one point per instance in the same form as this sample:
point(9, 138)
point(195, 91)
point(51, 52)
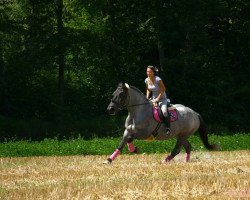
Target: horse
point(142, 123)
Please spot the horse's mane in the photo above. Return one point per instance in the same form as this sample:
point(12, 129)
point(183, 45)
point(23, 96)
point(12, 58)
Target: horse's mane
point(139, 91)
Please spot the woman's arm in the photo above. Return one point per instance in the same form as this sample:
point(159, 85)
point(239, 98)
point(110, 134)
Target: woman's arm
point(162, 90)
point(147, 91)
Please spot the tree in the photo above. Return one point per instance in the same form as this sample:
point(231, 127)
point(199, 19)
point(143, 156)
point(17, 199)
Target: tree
point(61, 49)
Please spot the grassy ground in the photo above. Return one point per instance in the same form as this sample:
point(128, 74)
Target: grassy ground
point(105, 146)
point(209, 175)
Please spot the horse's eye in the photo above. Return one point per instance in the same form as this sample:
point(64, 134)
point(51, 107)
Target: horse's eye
point(123, 94)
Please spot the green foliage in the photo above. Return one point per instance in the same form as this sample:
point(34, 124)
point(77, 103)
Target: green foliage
point(205, 43)
point(105, 146)
point(36, 130)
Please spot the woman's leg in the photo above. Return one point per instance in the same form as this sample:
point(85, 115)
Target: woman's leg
point(166, 118)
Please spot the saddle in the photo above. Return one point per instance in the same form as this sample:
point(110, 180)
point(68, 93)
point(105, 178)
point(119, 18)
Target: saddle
point(158, 115)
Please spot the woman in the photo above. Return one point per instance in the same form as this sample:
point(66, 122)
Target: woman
point(155, 85)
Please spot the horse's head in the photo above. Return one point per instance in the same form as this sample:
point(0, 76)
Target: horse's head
point(118, 101)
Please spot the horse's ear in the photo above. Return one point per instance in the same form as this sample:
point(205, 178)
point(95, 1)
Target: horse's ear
point(127, 85)
point(120, 84)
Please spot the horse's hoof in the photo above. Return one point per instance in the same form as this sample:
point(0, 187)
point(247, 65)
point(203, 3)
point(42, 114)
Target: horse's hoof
point(107, 162)
point(164, 162)
point(137, 150)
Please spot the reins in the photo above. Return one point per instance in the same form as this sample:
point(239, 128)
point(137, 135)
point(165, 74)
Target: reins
point(120, 107)
point(139, 104)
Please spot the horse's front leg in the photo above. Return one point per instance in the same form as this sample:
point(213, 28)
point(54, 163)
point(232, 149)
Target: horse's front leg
point(133, 129)
point(131, 146)
point(130, 128)
point(124, 141)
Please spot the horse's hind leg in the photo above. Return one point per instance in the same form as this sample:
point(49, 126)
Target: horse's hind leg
point(175, 151)
point(188, 148)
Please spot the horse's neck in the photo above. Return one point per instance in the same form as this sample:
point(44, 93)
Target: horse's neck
point(136, 97)
point(138, 103)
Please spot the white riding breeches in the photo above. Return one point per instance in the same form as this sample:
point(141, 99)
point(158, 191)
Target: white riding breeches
point(163, 103)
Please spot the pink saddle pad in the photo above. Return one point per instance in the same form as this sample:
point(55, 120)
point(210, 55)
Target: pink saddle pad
point(158, 114)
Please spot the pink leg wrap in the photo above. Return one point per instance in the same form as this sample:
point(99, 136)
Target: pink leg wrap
point(188, 157)
point(115, 154)
point(131, 147)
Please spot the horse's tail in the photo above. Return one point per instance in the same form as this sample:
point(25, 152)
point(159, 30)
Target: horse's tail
point(203, 135)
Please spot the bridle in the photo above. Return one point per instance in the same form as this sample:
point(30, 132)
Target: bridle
point(118, 105)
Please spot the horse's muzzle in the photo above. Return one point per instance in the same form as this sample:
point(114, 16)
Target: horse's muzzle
point(111, 110)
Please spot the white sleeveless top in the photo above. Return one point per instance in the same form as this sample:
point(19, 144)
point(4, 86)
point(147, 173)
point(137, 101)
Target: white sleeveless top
point(154, 88)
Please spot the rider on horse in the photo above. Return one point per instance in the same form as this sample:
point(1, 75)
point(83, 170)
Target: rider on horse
point(155, 85)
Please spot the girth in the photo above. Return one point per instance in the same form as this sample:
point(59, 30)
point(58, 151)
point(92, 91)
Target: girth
point(154, 133)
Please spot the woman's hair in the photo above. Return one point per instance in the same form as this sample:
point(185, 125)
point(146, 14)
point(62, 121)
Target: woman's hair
point(155, 69)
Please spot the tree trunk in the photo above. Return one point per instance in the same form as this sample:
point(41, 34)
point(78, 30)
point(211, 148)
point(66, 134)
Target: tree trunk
point(4, 108)
point(61, 51)
point(113, 46)
point(161, 54)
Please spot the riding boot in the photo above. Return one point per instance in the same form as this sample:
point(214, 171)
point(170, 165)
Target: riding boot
point(166, 121)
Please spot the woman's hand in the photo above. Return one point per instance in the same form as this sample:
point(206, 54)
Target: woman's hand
point(155, 102)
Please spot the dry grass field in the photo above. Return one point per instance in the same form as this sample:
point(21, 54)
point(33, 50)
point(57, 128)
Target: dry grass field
point(209, 175)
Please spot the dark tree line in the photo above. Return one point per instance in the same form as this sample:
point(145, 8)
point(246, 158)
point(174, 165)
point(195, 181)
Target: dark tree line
point(61, 60)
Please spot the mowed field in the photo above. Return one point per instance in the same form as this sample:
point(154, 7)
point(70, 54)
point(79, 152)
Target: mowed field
point(209, 175)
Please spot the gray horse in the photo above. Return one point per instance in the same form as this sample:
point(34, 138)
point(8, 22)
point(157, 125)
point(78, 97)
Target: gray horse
point(141, 123)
